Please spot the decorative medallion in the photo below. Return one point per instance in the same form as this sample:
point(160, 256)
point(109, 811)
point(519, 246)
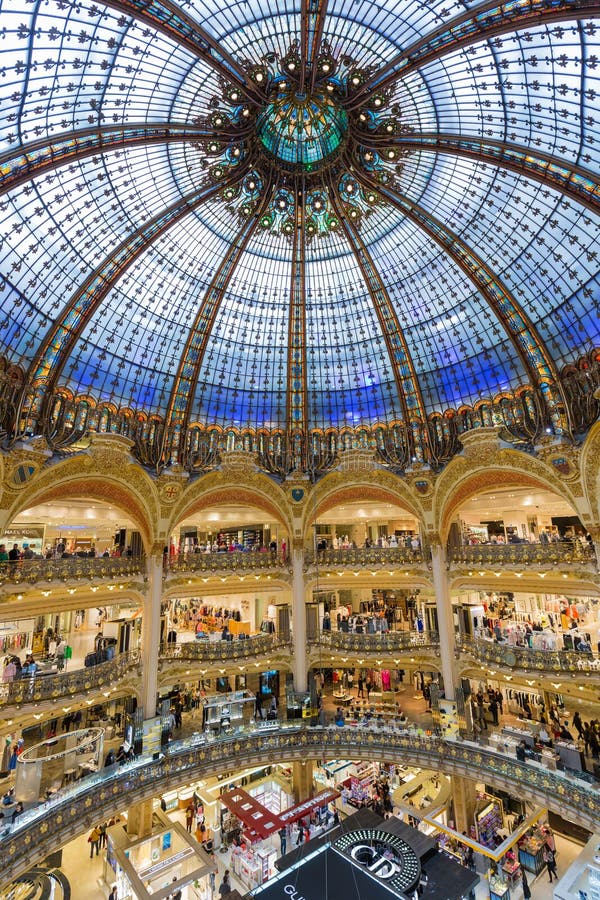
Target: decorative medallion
point(22, 474)
point(561, 464)
point(170, 492)
point(297, 494)
point(422, 486)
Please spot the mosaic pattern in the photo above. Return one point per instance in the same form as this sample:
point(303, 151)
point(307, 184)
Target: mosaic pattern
point(157, 164)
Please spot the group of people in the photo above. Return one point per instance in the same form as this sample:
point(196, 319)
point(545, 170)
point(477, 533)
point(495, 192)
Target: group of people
point(14, 555)
point(495, 706)
point(230, 546)
point(408, 541)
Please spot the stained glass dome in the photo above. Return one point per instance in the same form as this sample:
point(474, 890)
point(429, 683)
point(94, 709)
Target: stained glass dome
point(301, 131)
point(298, 216)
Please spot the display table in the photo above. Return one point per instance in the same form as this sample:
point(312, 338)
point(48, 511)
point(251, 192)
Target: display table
point(511, 871)
point(531, 854)
point(499, 889)
point(238, 627)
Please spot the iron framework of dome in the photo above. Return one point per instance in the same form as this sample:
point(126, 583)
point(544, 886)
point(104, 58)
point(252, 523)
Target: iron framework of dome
point(296, 229)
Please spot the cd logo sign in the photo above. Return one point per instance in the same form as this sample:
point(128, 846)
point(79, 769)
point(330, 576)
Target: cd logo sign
point(383, 865)
point(382, 855)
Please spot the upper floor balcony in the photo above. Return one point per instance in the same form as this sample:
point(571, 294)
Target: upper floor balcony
point(382, 643)
point(27, 572)
point(364, 557)
point(227, 561)
point(507, 656)
point(525, 554)
point(39, 687)
point(261, 648)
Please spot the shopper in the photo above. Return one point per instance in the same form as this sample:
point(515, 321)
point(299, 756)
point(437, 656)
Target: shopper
point(176, 895)
point(550, 860)
point(225, 886)
point(189, 818)
point(113, 894)
point(94, 841)
point(525, 886)
point(493, 708)
point(283, 840)
point(361, 685)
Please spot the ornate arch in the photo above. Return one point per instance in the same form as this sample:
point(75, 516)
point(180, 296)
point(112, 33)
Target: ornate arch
point(379, 486)
point(489, 469)
point(229, 487)
point(78, 478)
point(590, 472)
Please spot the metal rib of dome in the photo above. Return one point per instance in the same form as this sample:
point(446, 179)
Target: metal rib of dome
point(297, 217)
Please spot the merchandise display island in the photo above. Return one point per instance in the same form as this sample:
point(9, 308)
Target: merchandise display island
point(168, 859)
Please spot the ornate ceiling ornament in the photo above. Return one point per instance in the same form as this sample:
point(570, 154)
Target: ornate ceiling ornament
point(302, 145)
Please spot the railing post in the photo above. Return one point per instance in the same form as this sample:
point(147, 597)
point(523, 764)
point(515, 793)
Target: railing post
point(445, 619)
point(151, 635)
point(299, 619)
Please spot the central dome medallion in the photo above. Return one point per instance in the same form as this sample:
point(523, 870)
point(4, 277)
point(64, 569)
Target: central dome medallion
point(302, 132)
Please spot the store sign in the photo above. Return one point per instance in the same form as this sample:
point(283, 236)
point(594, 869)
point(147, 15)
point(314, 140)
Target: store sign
point(384, 856)
point(290, 891)
point(165, 863)
point(383, 865)
point(24, 533)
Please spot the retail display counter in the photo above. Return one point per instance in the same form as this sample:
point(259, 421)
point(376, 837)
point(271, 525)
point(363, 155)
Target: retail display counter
point(531, 853)
point(222, 711)
point(499, 889)
point(253, 866)
point(511, 871)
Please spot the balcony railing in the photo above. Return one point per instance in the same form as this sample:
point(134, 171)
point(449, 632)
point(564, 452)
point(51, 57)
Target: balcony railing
point(73, 810)
point(508, 656)
point(37, 571)
point(234, 561)
point(389, 642)
point(364, 557)
point(523, 554)
point(223, 651)
point(35, 688)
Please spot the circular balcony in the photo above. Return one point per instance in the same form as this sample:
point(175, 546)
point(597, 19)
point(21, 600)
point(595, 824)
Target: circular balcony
point(560, 552)
point(74, 569)
point(72, 811)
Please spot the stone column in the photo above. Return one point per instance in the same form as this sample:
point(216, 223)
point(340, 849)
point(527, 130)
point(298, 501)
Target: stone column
point(151, 635)
point(463, 798)
point(139, 819)
point(302, 773)
point(299, 619)
point(595, 535)
point(445, 619)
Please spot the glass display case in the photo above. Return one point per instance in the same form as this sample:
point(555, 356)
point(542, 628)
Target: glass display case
point(231, 710)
